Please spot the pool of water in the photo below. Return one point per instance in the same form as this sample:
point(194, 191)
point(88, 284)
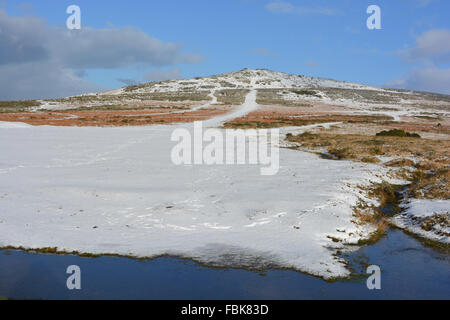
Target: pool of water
point(410, 270)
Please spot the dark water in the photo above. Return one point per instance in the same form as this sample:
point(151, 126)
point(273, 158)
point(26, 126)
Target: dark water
point(409, 271)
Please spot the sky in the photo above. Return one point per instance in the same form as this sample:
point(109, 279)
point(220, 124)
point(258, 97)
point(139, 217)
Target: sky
point(135, 41)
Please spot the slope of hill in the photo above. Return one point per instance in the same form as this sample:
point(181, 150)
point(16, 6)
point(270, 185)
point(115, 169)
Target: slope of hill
point(244, 79)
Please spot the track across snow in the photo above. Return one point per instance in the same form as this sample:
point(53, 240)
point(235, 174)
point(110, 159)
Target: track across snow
point(248, 106)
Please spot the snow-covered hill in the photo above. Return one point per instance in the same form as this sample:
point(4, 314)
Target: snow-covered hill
point(272, 88)
point(244, 79)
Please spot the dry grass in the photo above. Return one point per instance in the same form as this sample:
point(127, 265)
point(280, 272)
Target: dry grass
point(364, 215)
point(442, 220)
point(17, 106)
point(231, 97)
point(259, 121)
point(119, 117)
point(170, 96)
point(365, 148)
point(389, 198)
point(385, 193)
point(397, 133)
point(400, 163)
point(431, 180)
point(276, 97)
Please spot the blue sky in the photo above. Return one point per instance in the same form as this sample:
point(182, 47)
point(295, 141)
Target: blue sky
point(313, 37)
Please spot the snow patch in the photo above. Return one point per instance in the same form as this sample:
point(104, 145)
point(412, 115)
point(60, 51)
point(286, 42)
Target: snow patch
point(427, 218)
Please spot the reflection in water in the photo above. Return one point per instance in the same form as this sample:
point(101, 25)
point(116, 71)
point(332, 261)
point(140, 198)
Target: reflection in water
point(409, 270)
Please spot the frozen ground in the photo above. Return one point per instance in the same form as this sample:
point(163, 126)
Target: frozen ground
point(115, 190)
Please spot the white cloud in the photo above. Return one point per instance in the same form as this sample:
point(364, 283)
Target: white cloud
point(41, 80)
point(433, 46)
point(431, 79)
point(289, 8)
point(47, 61)
point(431, 50)
point(116, 48)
